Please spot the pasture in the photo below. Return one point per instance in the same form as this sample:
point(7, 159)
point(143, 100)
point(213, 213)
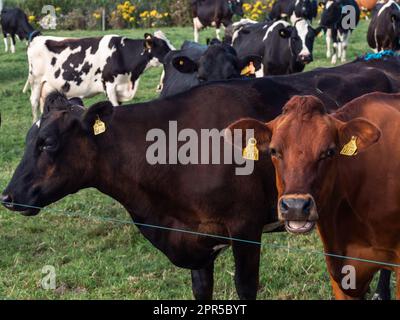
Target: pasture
point(99, 259)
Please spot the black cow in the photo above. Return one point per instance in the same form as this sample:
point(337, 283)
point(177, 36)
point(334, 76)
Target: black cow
point(294, 9)
point(384, 28)
point(14, 22)
point(335, 21)
point(285, 49)
point(214, 13)
point(64, 155)
point(195, 64)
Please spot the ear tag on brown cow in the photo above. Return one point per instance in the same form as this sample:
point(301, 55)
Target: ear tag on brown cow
point(251, 151)
point(99, 127)
point(350, 148)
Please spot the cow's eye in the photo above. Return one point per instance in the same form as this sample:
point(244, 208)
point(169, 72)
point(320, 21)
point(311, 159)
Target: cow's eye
point(48, 144)
point(274, 153)
point(328, 154)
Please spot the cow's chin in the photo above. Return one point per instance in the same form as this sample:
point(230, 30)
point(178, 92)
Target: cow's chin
point(299, 227)
point(27, 212)
point(30, 212)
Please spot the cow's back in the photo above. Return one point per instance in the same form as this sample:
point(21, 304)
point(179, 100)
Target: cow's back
point(71, 65)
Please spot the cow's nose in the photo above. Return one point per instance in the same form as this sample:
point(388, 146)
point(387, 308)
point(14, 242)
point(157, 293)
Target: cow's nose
point(306, 58)
point(7, 201)
point(296, 208)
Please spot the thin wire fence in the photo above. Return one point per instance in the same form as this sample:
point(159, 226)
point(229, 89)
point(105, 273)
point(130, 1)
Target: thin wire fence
point(145, 225)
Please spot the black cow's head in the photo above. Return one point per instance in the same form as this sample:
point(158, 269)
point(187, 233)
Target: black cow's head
point(301, 38)
point(236, 7)
point(157, 46)
point(303, 8)
point(59, 155)
point(219, 62)
point(331, 14)
point(395, 21)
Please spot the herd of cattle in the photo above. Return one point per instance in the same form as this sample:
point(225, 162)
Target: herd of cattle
point(327, 137)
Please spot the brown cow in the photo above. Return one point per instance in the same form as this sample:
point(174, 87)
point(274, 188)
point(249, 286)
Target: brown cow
point(341, 172)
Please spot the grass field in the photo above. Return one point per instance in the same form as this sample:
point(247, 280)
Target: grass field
point(98, 259)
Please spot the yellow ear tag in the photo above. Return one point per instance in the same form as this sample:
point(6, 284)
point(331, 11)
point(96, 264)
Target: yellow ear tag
point(350, 148)
point(251, 150)
point(99, 127)
point(181, 62)
point(248, 70)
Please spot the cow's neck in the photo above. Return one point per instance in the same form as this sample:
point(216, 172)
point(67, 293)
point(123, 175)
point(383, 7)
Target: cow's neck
point(122, 170)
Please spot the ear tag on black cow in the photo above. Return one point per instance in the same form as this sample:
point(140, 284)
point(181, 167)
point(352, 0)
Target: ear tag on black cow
point(251, 150)
point(350, 148)
point(99, 127)
point(249, 70)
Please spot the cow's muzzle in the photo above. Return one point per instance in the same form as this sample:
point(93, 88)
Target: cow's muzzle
point(305, 58)
point(26, 210)
point(298, 211)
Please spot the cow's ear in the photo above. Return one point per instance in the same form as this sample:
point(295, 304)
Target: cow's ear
point(249, 65)
point(100, 113)
point(260, 131)
point(285, 32)
point(148, 41)
point(76, 101)
point(317, 31)
point(357, 135)
point(185, 65)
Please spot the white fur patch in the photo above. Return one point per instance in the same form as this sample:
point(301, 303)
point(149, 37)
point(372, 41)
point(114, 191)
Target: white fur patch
point(302, 30)
point(388, 5)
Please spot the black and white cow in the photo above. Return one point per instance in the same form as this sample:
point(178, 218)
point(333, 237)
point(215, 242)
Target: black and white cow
point(195, 64)
point(336, 19)
point(89, 66)
point(214, 13)
point(14, 23)
point(384, 29)
point(285, 48)
point(294, 9)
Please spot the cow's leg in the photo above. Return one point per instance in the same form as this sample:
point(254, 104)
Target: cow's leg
point(13, 43)
point(5, 42)
point(247, 264)
point(328, 38)
point(345, 43)
point(161, 84)
point(203, 282)
point(383, 288)
point(112, 95)
point(350, 283)
point(35, 99)
point(197, 26)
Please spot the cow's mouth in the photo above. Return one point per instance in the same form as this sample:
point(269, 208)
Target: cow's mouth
point(23, 210)
point(299, 227)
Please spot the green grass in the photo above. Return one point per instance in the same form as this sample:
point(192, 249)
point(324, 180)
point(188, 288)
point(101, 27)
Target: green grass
point(95, 259)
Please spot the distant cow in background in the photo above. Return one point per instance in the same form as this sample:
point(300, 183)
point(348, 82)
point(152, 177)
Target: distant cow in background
point(294, 9)
point(89, 66)
point(214, 13)
point(384, 29)
point(333, 20)
point(14, 23)
point(285, 48)
point(195, 64)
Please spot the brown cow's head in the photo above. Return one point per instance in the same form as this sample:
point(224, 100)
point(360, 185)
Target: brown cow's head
point(305, 144)
point(59, 155)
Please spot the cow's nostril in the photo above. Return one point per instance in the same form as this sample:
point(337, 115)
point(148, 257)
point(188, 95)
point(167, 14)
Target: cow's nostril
point(284, 207)
point(307, 206)
point(7, 200)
